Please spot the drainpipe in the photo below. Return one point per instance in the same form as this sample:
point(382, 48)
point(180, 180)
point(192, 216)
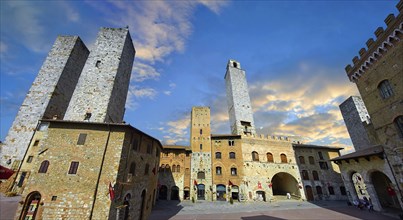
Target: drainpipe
point(100, 171)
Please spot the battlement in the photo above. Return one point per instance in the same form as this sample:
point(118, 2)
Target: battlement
point(385, 40)
point(270, 137)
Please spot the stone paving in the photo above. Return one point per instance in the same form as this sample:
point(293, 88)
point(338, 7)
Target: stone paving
point(285, 209)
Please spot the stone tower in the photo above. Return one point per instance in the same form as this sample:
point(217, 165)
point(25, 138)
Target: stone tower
point(48, 96)
point(239, 105)
point(101, 91)
point(201, 174)
point(356, 117)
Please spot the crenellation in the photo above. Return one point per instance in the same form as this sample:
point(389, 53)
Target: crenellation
point(362, 51)
point(370, 42)
point(389, 19)
point(378, 32)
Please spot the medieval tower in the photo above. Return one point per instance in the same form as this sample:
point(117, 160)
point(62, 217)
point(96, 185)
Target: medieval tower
point(239, 105)
point(200, 132)
point(48, 96)
point(101, 91)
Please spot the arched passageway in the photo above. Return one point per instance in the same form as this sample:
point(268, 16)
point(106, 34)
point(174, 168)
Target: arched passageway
point(163, 192)
point(283, 183)
point(384, 190)
point(200, 192)
point(175, 193)
point(359, 186)
point(186, 193)
point(31, 206)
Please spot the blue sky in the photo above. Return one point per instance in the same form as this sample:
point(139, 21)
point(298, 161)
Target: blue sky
point(293, 52)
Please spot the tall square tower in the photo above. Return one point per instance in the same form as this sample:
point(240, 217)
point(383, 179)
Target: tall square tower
point(238, 100)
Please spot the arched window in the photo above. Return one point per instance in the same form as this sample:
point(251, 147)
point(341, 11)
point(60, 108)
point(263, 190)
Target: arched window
point(162, 168)
point(201, 175)
point(218, 171)
point(133, 168)
point(44, 167)
point(218, 155)
point(305, 175)
point(319, 190)
point(233, 171)
point(315, 175)
point(283, 158)
point(178, 168)
point(255, 156)
point(231, 155)
point(331, 190)
point(399, 125)
point(320, 155)
point(269, 157)
point(385, 89)
point(167, 168)
point(311, 160)
point(146, 169)
point(173, 168)
point(301, 159)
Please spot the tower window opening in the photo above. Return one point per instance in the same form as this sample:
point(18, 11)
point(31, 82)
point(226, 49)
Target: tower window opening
point(98, 63)
point(235, 64)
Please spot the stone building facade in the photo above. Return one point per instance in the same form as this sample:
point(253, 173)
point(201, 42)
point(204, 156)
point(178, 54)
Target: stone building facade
point(48, 96)
point(378, 75)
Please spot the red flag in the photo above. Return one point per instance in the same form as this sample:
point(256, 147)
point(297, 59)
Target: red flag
point(259, 185)
point(154, 170)
point(230, 183)
point(195, 182)
point(111, 192)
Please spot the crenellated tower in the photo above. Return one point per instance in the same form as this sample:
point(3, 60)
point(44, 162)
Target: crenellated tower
point(238, 100)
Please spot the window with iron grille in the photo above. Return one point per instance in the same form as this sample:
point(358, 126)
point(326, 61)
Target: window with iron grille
point(385, 89)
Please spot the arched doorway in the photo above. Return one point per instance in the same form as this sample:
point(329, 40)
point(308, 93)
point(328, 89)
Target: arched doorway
point(143, 204)
point(261, 196)
point(31, 206)
point(200, 192)
point(359, 186)
point(221, 192)
point(384, 190)
point(309, 193)
point(186, 193)
point(175, 193)
point(126, 206)
point(235, 192)
point(163, 192)
point(283, 183)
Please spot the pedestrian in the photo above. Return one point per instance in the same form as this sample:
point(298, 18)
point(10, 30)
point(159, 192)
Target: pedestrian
point(288, 196)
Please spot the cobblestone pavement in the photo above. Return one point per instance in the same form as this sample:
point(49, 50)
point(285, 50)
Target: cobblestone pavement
point(260, 210)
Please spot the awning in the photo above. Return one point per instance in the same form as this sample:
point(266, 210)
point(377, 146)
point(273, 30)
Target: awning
point(5, 173)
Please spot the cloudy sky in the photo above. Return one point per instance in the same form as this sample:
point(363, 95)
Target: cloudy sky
point(293, 52)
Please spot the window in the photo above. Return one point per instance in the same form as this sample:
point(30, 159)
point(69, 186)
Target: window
point(54, 198)
point(323, 165)
point(255, 156)
point(81, 139)
point(166, 154)
point(147, 169)
point(385, 89)
point(231, 155)
point(73, 167)
point(320, 155)
point(187, 154)
point(201, 175)
point(135, 144)
point(269, 157)
point(157, 152)
point(305, 175)
point(311, 160)
point(187, 171)
point(201, 146)
point(149, 148)
point(315, 175)
point(319, 190)
point(178, 168)
point(29, 160)
point(167, 168)
point(233, 171)
point(218, 170)
point(173, 168)
point(283, 158)
point(399, 125)
point(201, 131)
point(44, 167)
point(132, 169)
point(301, 159)
point(36, 143)
point(343, 190)
point(231, 143)
point(331, 190)
point(218, 155)
point(22, 178)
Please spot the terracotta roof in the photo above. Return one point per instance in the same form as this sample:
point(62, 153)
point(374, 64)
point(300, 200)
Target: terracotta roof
point(374, 150)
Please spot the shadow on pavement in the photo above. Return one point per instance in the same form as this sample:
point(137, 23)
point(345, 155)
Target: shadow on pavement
point(165, 209)
point(260, 217)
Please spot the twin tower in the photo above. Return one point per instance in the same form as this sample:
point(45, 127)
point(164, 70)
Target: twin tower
point(74, 84)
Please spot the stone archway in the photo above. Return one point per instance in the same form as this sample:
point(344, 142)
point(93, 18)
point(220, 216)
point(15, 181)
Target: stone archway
point(221, 193)
point(163, 194)
point(174, 193)
point(384, 190)
point(31, 206)
point(360, 188)
point(283, 183)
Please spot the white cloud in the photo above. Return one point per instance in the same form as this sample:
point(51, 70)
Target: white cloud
point(167, 92)
point(143, 72)
point(215, 6)
point(176, 131)
point(135, 93)
point(3, 47)
point(71, 13)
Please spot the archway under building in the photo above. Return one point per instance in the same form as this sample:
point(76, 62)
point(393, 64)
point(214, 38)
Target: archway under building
point(200, 192)
point(220, 192)
point(174, 193)
point(163, 194)
point(309, 193)
point(261, 195)
point(283, 183)
point(186, 193)
point(386, 193)
point(31, 206)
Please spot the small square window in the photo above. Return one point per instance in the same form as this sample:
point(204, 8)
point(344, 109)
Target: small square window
point(81, 139)
point(36, 143)
point(54, 198)
point(29, 160)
